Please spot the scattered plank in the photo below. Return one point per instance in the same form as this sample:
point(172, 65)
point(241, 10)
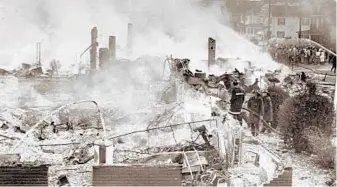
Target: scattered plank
point(62, 144)
point(7, 137)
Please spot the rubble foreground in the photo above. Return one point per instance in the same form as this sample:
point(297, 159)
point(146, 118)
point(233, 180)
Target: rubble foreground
point(70, 149)
point(180, 131)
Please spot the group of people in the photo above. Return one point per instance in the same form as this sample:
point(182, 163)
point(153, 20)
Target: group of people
point(302, 54)
point(260, 104)
point(230, 87)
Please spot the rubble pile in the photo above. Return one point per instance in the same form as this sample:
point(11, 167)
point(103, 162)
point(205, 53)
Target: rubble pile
point(70, 175)
point(294, 85)
point(65, 139)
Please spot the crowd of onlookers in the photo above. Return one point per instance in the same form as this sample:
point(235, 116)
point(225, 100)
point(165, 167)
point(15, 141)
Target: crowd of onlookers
point(297, 54)
point(302, 54)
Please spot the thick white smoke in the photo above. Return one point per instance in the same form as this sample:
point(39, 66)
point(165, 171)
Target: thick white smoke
point(134, 88)
point(160, 28)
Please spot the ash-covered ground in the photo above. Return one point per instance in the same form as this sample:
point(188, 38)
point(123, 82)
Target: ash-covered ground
point(129, 92)
point(129, 101)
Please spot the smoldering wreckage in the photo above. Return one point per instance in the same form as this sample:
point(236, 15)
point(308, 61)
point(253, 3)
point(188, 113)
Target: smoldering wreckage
point(219, 151)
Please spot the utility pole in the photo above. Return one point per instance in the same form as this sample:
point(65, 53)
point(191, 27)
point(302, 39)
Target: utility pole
point(244, 17)
point(300, 26)
point(38, 53)
point(269, 21)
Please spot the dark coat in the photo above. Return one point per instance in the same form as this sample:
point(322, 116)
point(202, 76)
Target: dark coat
point(268, 109)
point(256, 105)
point(333, 61)
point(237, 99)
point(303, 77)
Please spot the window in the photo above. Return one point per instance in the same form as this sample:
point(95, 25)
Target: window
point(281, 21)
point(305, 21)
point(280, 34)
point(317, 10)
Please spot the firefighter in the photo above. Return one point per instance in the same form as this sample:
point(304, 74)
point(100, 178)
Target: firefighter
point(303, 77)
point(222, 94)
point(255, 104)
point(268, 110)
point(236, 101)
point(227, 81)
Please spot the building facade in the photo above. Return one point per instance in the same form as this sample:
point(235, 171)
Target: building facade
point(285, 19)
point(315, 20)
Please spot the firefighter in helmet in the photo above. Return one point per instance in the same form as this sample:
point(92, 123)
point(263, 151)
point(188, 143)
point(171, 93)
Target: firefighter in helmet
point(255, 104)
point(268, 110)
point(236, 101)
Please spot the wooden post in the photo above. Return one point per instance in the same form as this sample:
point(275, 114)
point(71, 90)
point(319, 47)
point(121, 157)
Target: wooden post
point(93, 50)
point(130, 37)
point(103, 56)
point(112, 47)
point(211, 51)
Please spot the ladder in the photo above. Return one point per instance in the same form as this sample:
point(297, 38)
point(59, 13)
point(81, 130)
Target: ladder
point(237, 146)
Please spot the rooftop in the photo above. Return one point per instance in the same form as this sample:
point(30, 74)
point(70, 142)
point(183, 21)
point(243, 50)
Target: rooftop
point(281, 10)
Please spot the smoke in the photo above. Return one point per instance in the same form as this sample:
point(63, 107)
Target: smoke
point(161, 28)
point(180, 28)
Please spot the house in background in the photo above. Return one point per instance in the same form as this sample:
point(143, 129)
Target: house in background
point(317, 18)
point(253, 24)
point(322, 24)
point(285, 19)
point(244, 17)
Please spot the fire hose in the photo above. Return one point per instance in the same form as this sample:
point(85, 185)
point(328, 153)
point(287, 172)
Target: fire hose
point(316, 72)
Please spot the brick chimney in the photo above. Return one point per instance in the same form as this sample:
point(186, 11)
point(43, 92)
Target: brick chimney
point(211, 51)
point(112, 47)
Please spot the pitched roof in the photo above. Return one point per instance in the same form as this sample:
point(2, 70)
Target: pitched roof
point(235, 6)
point(282, 10)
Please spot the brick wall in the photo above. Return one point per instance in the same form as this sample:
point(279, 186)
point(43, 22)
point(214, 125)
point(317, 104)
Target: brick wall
point(137, 176)
point(283, 180)
point(23, 176)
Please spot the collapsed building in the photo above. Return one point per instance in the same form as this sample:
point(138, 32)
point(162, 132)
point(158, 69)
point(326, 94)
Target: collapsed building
point(217, 152)
point(177, 147)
